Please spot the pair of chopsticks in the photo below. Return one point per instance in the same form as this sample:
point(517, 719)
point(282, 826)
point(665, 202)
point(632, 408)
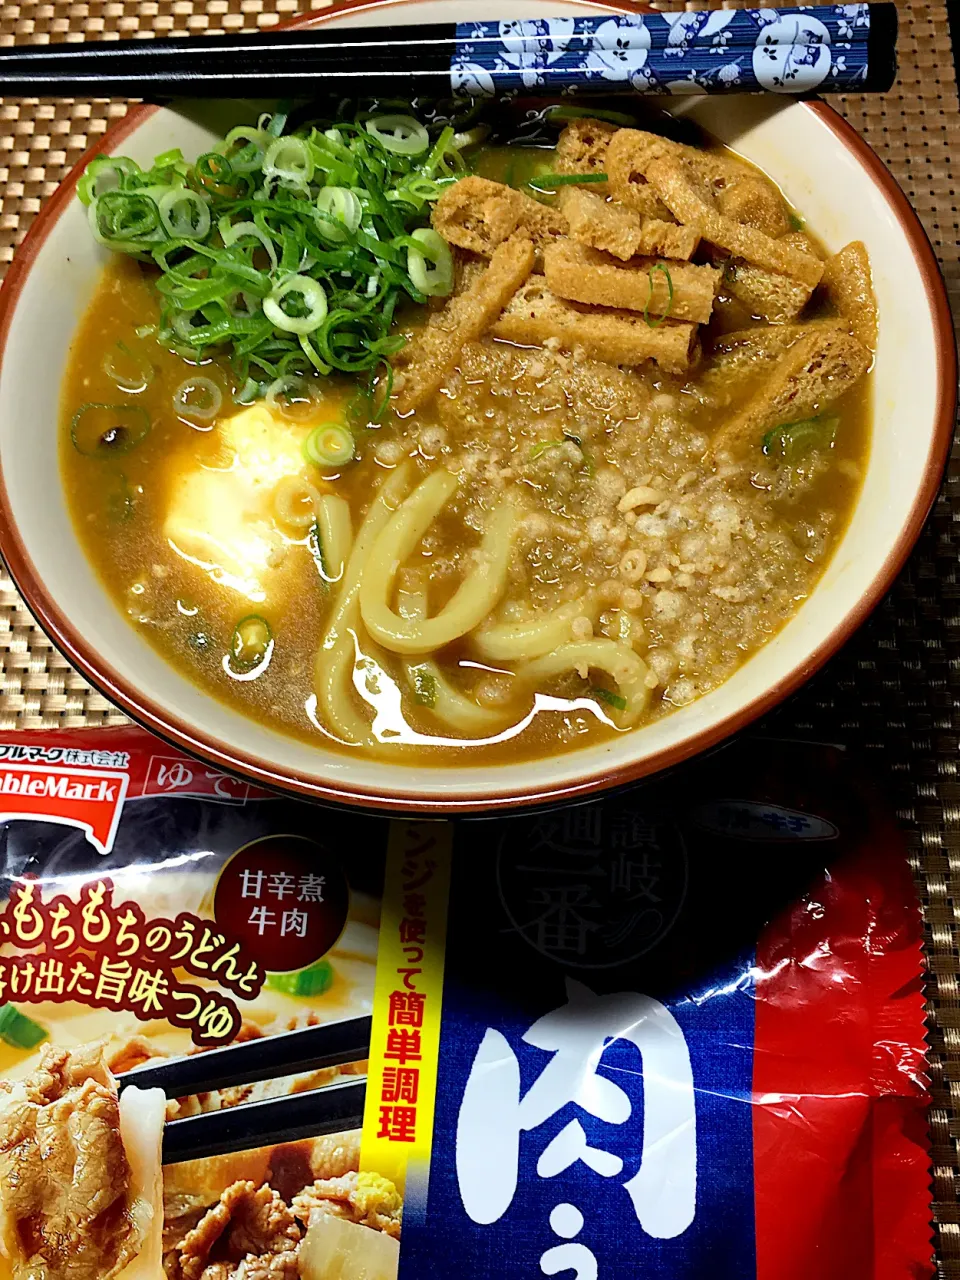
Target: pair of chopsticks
point(827, 49)
point(312, 1114)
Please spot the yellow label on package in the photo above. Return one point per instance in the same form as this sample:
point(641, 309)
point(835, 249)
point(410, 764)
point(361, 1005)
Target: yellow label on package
point(407, 1005)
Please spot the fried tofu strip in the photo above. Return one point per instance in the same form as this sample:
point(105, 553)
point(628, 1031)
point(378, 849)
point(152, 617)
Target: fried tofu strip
point(582, 146)
point(631, 151)
point(601, 224)
point(478, 215)
point(667, 239)
point(810, 375)
point(429, 358)
point(691, 202)
point(581, 274)
point(773, 297)
point(849, 287)
point(753, 202)
point(775, 339)
point(535, 316)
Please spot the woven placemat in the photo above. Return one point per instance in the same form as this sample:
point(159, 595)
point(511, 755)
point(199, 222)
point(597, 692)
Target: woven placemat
point(892, 693)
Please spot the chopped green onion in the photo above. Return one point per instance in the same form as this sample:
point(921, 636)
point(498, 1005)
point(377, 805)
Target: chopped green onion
point(791, 441)
point(539, 449)
point(105, 430)
point(168, 158)
point(314, 980)
point(125, 220)
point(292, 395)
point(796, 222)
point(214, 169)
point(249, 392)
point(548, 182)
point(284, 251)
point(251, 642)
point(244, 147)
point(612, 699)
point(400, 134)
point(424, 686)
point(658, 320)
point(315, 547)
point(121, 503)
point(199, 398)
point(430, 264)
point(470, 137)
point(338, 205)
point(275, 124)
point(18, 1030)
point(184, 214)
point(104, 174)
point(232, 233)
point(312, 305)
point(329, 445)
point(564, 112)
point(289, 160)
point(131, 372)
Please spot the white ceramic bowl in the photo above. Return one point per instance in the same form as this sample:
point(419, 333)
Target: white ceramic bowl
point(823, 167)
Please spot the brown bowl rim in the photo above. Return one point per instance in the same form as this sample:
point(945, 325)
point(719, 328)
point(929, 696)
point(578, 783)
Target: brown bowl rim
point(151, 715)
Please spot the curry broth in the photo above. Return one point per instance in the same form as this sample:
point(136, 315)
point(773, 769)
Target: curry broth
point(509, 416)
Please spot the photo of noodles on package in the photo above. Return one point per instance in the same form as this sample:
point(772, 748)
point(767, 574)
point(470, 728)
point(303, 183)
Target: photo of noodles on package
point(674, 1033)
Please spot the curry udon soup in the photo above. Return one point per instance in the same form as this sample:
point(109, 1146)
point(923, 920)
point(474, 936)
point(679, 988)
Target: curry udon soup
point(623, 427)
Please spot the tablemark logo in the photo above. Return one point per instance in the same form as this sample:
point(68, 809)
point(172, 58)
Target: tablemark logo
point(91, 799)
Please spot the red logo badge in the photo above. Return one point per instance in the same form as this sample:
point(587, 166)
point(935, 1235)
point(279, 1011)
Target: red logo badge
point(90, 799)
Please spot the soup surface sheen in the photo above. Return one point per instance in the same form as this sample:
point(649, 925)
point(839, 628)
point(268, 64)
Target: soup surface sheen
point(624, 518)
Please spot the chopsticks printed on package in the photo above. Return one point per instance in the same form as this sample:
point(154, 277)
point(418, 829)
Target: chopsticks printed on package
point(330, 1109)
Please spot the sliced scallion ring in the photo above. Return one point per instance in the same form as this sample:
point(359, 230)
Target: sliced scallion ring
point(288, 159)
point(341, 205)
point(244, 147)
point(126, 220)
point(130, 370)
point(230, 233)
point(105, 430)
point(184, 214)
point(249, 392)
point(292, 395)
point(329, 445)
point(104, 174)
point(251, 643)
point(656, 321)
point(431, 267)
point(401, 134)
point(197, 398)
point(168, 159)
point(308, 298)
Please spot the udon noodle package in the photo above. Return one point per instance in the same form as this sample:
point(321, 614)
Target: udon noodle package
point(674, 1033)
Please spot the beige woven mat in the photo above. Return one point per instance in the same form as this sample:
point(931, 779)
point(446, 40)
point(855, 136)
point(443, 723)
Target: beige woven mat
point(894, 693)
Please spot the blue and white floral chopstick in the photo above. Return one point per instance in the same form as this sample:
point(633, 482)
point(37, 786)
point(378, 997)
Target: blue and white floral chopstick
point(829, 48)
